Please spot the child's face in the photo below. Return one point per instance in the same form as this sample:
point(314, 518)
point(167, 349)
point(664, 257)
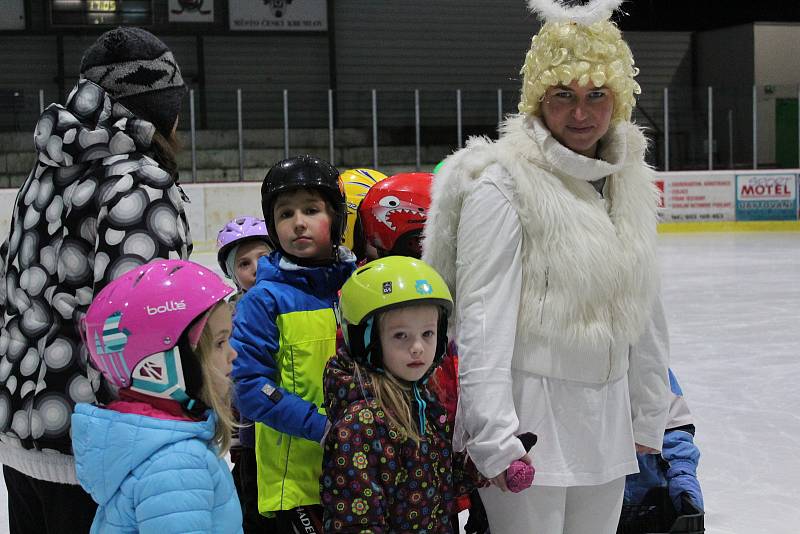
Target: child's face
point(246, 261)
point(408, 340)
point(222, 354)
point(303, 224)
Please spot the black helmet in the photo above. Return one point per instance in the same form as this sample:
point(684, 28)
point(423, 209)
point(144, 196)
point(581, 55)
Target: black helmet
point(305, 172)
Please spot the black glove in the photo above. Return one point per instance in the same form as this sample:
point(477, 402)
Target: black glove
point(528, 440)
point(688, 506)
point(477, 523)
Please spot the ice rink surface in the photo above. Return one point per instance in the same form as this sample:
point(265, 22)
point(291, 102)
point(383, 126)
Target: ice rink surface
point(733, 305)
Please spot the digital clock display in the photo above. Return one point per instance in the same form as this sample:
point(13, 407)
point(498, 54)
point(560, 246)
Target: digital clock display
point(101, 12)
point(104, 6)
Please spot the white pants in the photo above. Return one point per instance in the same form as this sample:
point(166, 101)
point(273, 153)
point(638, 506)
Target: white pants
point(555, 510)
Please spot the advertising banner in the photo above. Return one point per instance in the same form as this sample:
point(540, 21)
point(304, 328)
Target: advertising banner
point(662, 212)
point(701, 197)
point(13, 15)
point(278, 15)
point(191, 11)
point(766, 197)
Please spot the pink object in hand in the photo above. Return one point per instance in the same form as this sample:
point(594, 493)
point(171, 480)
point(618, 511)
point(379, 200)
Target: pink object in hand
point(519, 476)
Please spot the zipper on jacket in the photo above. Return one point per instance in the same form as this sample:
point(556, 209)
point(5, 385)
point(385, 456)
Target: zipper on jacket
point(543, 300)
point(611, 349)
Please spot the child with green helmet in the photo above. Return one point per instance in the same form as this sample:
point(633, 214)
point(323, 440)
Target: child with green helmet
point(388, 461)
point(386, 424)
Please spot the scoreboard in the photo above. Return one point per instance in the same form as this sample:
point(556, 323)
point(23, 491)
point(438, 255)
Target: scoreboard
point(78, 13)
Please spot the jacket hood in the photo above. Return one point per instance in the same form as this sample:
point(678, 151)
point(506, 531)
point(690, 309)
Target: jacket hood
point(342, 386)
point(322, 280)
point(110, 445)
point(91, 126)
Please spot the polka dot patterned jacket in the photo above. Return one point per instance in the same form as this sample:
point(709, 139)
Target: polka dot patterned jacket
point(94, 206)
point(373, 478)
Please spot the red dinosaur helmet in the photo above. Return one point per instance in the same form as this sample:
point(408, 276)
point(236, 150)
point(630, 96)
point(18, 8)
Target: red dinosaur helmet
point(395, 210)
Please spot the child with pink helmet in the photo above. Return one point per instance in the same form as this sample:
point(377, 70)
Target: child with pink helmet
point(153, 458)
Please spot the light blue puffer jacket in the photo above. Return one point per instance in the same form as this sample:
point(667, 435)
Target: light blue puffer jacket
point(153, 475)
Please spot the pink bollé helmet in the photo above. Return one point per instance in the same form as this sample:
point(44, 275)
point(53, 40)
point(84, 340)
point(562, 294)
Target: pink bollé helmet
point(134, 324)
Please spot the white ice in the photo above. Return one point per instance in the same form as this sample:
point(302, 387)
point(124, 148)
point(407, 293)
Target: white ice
point(733, 304)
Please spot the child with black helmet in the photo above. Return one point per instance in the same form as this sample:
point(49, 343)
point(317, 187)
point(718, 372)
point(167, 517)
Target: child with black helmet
point(285, 332)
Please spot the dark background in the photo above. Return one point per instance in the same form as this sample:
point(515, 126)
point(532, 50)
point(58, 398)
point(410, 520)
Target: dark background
point(697, 15)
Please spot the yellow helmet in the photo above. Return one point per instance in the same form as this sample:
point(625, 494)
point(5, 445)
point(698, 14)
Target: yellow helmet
point(356, 184)
point(382, 285)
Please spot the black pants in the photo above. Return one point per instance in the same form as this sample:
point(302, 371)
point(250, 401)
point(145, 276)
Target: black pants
point(246, 479)
point(300, 520)
point(41, 507)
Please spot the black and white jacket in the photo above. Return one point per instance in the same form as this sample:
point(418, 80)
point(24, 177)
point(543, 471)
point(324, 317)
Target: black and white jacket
point(94, 206)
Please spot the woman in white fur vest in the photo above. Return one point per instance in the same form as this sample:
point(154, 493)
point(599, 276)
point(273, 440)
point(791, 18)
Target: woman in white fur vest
point(547, 239)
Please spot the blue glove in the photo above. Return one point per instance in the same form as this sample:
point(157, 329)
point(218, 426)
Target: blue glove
point(682, 456)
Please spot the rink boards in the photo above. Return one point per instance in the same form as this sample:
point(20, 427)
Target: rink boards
point(753, 199)
point(707, 201)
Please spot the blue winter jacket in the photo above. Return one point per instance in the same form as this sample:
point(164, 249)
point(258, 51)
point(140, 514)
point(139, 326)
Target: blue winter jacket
point(284, 333)
point(676, 467)
point(153, 475)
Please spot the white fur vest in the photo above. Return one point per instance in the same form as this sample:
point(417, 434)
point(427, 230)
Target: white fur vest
point(589, 270)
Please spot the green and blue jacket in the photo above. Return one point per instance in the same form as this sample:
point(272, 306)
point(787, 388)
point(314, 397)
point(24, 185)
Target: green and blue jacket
point(284, 333)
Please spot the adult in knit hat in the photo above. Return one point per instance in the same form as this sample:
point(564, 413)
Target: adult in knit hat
point(102, 198)
point(570, 343)
point(137, 70)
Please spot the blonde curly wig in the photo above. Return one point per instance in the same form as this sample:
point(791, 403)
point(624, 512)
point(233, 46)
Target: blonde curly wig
point(595, 53)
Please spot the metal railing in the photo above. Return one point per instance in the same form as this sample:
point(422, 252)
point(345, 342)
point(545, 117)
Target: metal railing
point(690, 128)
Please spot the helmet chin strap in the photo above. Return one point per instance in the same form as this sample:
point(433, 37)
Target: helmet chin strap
point(372, 347)
point(168, 375)
point(421, 405)
point(373, 357)
point(313, 263)
point(305, 262)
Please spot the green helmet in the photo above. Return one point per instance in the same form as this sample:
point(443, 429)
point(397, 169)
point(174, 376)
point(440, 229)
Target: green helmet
point(382, 285)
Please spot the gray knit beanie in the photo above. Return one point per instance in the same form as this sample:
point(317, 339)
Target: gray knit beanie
point(138, 70)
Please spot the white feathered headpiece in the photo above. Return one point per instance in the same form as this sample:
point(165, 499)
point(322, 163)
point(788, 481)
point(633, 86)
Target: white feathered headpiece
point(589, 13)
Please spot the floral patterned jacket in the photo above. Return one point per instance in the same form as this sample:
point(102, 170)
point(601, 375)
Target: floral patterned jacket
point(375, 480)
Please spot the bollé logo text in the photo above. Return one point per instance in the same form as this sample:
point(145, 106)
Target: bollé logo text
point(169, 306)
